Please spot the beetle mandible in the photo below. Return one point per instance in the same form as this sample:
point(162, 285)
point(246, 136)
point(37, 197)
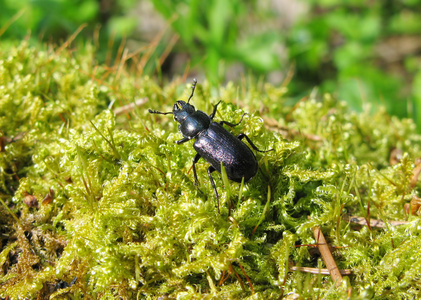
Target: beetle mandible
point(214, 143)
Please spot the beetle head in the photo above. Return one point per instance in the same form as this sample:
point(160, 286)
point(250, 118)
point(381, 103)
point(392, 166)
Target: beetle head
point(181, 110)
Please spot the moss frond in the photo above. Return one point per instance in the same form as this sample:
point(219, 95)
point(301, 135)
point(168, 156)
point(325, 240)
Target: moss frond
point(126, 219)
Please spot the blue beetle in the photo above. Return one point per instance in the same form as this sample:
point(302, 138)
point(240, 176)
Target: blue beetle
point(214, 143)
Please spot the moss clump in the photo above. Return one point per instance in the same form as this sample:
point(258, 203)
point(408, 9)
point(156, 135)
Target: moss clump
point(126, 220)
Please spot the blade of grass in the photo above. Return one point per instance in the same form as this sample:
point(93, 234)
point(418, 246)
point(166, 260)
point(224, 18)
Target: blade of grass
point(265, 209)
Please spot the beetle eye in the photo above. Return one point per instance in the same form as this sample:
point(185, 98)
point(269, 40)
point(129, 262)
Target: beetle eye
point(179, 105)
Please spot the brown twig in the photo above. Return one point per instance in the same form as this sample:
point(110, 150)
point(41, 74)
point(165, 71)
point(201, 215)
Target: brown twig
point(129, 107)
point(327, 256)
point(11, 21)
point(416, 173)
point(247, 278)
point(318, 271)
point(289, 133)
point(70, 39)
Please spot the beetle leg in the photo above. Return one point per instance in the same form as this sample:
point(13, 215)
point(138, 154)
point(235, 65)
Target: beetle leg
point(242, 135)
point(183, 140)
point(196, 181)
point(195, 160)
point(214, 110)
point(232, 124)
point(210, 170)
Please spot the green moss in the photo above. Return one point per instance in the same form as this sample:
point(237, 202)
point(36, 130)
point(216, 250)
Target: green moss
point(126, 219)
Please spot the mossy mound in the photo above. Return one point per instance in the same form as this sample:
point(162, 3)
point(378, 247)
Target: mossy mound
point(103, 205)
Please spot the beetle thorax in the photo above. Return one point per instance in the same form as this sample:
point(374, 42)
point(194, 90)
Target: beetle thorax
point(194, 124)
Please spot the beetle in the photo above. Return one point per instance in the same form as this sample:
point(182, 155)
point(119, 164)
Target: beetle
point(214, 143)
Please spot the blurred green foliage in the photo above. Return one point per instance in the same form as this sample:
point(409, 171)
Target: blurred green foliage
point(361, 52)
point(215, 29)
point(55, 20)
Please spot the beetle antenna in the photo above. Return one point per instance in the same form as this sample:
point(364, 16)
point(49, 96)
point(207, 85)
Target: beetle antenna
point(152, 111)
point(193, 87)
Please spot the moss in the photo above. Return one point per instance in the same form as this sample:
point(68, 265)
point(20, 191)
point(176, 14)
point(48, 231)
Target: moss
point(126, 219)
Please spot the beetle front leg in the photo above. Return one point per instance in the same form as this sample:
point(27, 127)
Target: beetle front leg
point(214, 110)
point(242, 135)
point(210, 170)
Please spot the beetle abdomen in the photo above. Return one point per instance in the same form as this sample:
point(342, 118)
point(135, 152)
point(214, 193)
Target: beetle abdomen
point(217, 145)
